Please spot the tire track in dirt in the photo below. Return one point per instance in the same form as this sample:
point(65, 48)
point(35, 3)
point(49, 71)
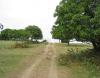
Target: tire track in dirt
point(53, 68)
point(28, 72)
point(44, 66)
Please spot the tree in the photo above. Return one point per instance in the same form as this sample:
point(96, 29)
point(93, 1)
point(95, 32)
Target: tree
point(58, 33)
point(6, 34)
point(35, 32)
point(79, 19)
point(22, 34)
point(12, 34)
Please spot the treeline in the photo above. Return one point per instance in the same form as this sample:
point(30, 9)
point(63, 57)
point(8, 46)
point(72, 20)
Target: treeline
point(29, 33)
point(79, 19)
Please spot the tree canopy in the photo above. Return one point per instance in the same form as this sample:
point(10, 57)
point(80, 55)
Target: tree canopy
point(35, 32)
point(21, 34)
point(79, 19)
point(12, 34)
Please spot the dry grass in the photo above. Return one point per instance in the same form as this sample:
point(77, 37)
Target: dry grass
point(12, 60)
point(78, 60)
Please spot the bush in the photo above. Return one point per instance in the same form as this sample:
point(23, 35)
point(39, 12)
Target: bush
point(62, 59)
point(81, 59)
point(70, 56)
point(80, 56)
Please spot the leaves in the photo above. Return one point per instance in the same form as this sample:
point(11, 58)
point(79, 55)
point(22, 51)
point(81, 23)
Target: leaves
point(21, 34)
point(35, 32)
point(79, 19)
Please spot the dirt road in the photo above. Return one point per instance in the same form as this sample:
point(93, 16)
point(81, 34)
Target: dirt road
point(53, 69)
point(44, 66)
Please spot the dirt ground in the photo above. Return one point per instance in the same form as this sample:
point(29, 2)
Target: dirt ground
point(44, 66)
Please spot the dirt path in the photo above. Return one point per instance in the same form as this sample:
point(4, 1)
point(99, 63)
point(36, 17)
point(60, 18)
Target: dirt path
point(44, 66)
point(53, 69)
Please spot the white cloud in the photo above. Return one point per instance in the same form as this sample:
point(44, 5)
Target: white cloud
point(20, 13)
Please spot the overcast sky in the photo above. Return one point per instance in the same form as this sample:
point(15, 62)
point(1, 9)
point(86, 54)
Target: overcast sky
point(21, 13)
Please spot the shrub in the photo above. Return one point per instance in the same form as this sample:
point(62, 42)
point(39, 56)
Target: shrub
point(81, 59)
point(70, 56)
point(62, 59)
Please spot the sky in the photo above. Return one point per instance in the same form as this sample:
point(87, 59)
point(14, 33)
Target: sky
point(18, 14)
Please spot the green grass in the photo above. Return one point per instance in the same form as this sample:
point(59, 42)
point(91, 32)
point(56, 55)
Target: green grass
point(8, 63)
point(6, 44)
point(82, 62)
point(10, 58)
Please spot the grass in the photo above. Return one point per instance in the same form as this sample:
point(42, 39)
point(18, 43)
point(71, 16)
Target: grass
point(80, 60)
point(10, 58)
point(6, 44)
point(8, 63)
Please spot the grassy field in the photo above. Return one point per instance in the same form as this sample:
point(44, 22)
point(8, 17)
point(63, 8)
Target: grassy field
point(12, 58)
point(77, 61)
point(73, 61)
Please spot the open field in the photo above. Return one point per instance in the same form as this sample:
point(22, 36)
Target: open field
point(12, 59)
point(48, 61)
point(35, 62)
point(6, 44)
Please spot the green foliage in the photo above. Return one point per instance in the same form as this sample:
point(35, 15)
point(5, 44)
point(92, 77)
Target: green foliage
point(78, 19)
point(56, 32)
point(12, 34)
point(35, 32)
point(22, 34)
point(7, 34)
point(82, 63)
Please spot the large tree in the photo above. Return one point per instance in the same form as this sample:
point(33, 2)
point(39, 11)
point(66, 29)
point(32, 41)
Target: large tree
point(35, 32)
point(22, 34)
point(6, 34)
point(79, 19)
point(58, 33)
point(12, 34)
